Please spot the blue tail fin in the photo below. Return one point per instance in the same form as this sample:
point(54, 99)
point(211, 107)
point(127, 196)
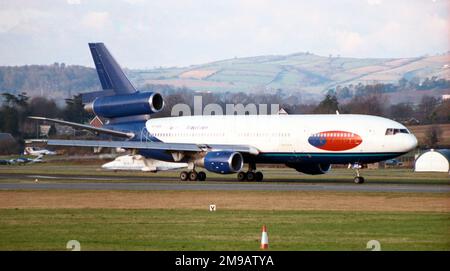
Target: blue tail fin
point(112, 78)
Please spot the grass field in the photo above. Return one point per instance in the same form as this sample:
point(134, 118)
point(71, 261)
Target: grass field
point(101, 229)
point(180, 220)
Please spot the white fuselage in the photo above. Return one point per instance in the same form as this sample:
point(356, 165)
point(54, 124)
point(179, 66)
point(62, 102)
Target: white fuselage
point(139, 163)
point(284, 133)
point(37, 151)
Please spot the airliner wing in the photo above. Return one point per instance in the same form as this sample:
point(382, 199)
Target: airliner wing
point(187, 147)
point(86, 127)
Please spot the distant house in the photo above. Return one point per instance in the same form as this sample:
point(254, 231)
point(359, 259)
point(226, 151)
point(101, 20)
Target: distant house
point(433, 161)
point(44, 130)
point(96, 122)
point(445, 97)
point(412, 121)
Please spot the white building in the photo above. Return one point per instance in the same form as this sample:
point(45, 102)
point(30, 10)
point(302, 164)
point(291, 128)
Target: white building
point(433, 161)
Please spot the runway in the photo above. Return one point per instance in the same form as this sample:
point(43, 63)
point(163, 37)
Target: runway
point(51, 182)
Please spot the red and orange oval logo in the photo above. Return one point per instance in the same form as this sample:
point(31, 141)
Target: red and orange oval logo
point(335, 140)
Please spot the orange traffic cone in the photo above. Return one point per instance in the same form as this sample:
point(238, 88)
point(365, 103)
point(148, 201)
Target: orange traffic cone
point(264, 238)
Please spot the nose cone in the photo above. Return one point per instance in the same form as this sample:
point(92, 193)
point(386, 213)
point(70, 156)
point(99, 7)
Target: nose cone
point(108, 165)
point(413, 143)
point(408, 142)
point(404, 142)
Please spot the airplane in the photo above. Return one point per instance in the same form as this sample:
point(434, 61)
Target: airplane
point(140, 163)
point(222, 144)
point(25, 160)
point(37, 151)
point(4, 162)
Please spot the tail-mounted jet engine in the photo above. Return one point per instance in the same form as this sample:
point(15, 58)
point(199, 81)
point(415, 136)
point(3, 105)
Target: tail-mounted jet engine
point(138, 103)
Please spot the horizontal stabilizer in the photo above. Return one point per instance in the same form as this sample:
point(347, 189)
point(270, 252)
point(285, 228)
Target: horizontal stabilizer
point(87, 127)
point(171, 147)
point(124, 144)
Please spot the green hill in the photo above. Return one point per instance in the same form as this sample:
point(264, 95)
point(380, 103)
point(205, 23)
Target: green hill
point(304, 72)
point(307, 73)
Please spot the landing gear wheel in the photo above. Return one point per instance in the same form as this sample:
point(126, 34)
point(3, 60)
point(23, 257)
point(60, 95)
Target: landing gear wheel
point(259, 176)
point(184, 176)
point(241, 176)
point(201, 176)
point(250, 176)
point(358, 180)
point(193, 176)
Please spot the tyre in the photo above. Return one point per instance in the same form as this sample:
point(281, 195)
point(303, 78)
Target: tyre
point(201, 176)
point(184, 176)
point(241, 176)
point(250, 176)
point(193, 176)
point(358, 180)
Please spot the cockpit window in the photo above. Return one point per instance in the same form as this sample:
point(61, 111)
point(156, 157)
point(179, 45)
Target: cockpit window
point(393, 131)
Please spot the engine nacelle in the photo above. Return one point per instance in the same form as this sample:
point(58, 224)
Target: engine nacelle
point(139, 103)
point(223, 162)
point(311, 169)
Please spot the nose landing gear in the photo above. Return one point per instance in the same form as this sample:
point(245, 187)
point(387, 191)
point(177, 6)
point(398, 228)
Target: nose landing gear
point(358, 178)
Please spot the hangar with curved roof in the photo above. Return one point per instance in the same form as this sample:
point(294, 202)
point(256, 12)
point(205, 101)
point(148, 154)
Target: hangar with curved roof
point(433, 161)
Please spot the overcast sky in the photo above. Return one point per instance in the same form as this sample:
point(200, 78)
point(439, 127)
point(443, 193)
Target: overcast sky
point(145, 34)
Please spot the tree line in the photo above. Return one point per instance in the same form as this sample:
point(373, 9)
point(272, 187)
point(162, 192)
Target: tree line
point(15, 109)
point(430, 110)
point(403, 85)
point(57, 80)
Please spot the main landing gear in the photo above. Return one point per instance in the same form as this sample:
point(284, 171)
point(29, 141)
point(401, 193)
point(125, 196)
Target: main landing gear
point(193, 176)
point(358, 178)
point(251, 174)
